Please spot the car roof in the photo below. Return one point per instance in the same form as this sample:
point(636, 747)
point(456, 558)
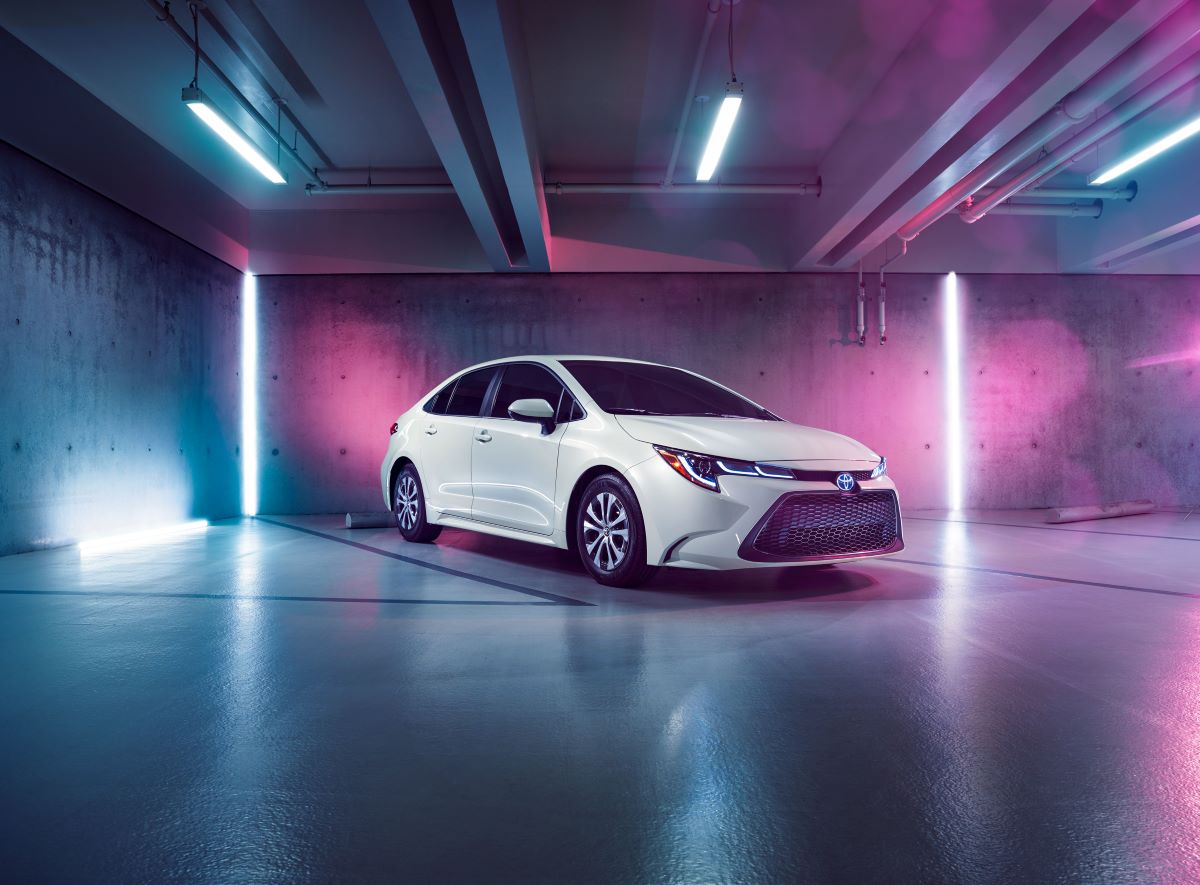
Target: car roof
point(550, 359)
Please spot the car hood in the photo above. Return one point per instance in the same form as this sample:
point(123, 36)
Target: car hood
point(746, 439)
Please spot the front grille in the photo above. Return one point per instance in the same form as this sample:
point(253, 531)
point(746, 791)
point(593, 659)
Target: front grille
point(826, 525)
point(830, 476)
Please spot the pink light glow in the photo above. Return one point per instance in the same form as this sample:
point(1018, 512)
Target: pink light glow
point(953, 397)
point(1178, 356)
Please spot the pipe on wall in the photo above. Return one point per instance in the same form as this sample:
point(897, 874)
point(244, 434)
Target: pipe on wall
point(862, 308)
point(1183, 75)
point(883, 290)
point(1172, 33)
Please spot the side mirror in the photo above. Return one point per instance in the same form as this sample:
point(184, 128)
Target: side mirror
point(537, 411)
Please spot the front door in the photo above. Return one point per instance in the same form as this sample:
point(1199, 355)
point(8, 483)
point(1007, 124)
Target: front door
point(514, 464)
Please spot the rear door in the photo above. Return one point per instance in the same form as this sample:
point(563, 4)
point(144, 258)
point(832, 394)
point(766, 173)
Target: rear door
point(515, 463)
point(446, 451)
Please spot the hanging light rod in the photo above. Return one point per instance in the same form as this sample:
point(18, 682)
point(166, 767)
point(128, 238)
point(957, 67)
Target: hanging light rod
point(163, 14)
point(202, 107)
point(1152, 150)
point(726, 115)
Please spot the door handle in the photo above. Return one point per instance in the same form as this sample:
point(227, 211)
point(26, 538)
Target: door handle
point(431, 430)
point(483, 436)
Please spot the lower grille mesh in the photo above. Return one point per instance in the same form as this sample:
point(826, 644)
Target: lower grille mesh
point(820, 525)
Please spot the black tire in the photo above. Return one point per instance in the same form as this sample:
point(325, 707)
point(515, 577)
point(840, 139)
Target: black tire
point(610, 534)
point(408, 505)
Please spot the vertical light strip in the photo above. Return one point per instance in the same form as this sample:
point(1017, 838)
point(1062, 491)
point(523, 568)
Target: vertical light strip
point(720, 134)
point(249, 395)
point(952, 351)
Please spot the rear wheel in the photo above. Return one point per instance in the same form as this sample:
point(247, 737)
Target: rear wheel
point(610, 534)
point(408, 504)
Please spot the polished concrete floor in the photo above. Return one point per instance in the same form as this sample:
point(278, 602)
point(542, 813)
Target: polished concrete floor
point(282, 700)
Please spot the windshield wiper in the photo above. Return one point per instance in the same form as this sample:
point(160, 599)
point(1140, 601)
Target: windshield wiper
point(709, 415)
point(624, 411)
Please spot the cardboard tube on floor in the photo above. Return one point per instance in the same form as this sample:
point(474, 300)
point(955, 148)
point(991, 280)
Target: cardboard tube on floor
point(1098, 511)
point(381, 520)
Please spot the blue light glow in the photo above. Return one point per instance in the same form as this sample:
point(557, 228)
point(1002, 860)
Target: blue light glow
point(143, 538)
point(249, 395)
point(1168, 141)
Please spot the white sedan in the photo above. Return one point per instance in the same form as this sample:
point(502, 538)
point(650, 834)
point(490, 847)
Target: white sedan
point(635, 466)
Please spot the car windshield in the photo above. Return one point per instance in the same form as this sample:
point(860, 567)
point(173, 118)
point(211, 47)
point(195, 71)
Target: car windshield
point(644, 389)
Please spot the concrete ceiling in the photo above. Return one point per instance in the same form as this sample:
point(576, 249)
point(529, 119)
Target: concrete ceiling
point(886, 102)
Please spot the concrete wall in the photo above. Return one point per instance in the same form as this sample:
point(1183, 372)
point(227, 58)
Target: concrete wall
point(1054, 414)
point(118, 361)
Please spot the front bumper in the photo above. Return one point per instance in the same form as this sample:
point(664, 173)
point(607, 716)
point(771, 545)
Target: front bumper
point(691, 527)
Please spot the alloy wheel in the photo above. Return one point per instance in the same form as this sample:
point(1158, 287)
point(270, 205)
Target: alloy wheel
point(606, 531)
point(406, 502)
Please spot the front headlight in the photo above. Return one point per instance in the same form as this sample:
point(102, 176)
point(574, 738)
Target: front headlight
point(880, 468)
point(705, 470)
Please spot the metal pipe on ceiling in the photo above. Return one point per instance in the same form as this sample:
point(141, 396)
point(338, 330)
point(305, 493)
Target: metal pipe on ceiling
point(558, 189)
point(1168, 36)
point(264, 84)
point(1126, 192)
point(164, 15)
point(803, 189)
point(1182, 76)
point(710, 20)
point(318, 190)
point(1067, 210)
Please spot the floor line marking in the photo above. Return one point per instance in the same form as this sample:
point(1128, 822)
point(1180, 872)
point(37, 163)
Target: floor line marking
point(1049, 528)
point(246, 597)
point(1030, 575)
point(446, 570)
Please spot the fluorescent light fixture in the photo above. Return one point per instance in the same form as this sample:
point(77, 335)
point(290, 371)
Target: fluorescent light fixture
point(1183, 133)
point(144, 538)
point(249, 395)
point(720, 131)
point(952, 354)
point(203, 108)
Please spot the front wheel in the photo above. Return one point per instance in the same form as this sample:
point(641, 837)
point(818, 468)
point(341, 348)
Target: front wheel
point(610, 534)
point(408, 504)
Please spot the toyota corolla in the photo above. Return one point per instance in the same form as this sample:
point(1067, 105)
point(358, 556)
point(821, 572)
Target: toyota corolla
point(636, 466)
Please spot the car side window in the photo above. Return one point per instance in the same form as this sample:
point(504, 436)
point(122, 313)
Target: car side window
point(525, 381)
point(467, 399)
point(438, 402)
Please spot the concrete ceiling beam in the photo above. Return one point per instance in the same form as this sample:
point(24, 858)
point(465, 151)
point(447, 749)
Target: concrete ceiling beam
point(902, 151)
point(494, 46)
point(426, 49)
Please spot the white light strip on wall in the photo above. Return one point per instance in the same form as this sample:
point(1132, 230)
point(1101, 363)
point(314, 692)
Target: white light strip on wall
point(1149, 152)
point(203, 108)
point(720, 134)
point(142, 538)
point(952, 352)
point(249, 395)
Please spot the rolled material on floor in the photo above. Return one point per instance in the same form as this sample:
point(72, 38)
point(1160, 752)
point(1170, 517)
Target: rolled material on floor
point(1098, 511)
point(382, 520)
